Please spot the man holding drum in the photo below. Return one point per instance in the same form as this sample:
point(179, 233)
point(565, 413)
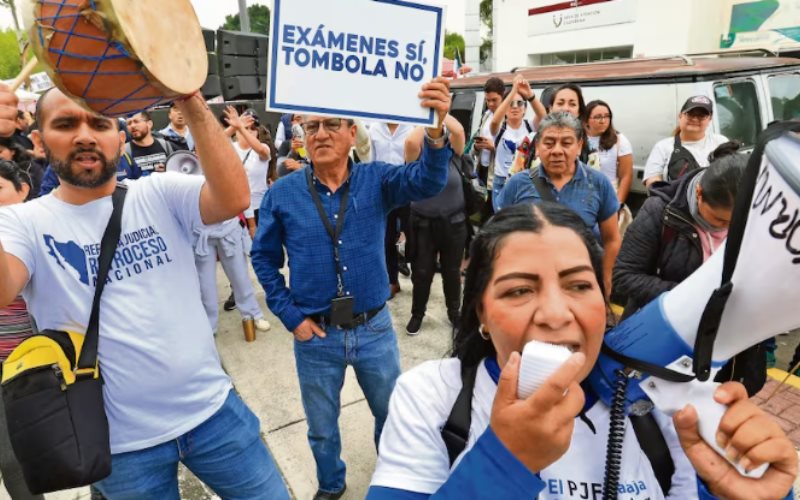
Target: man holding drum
point(166, 396)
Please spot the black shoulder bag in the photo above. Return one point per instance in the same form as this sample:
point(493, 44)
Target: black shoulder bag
point(53, 394)
point(681, 162)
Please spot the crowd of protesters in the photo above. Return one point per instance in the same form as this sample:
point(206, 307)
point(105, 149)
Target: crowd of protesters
point(340, 199)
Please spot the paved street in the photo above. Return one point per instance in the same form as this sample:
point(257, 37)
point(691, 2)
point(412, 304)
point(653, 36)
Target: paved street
point(264, 374)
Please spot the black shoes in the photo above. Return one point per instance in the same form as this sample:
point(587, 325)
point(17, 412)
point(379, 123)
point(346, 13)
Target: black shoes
point(230, 304)
point(322, 495)
point(414, 324)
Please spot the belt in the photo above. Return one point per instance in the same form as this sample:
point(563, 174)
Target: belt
point(358, 319)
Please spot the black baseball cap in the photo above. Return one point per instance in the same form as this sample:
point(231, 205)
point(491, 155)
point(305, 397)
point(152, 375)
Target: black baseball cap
point(698, 102)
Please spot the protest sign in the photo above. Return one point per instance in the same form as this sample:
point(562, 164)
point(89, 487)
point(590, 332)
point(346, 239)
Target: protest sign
point(357, 59)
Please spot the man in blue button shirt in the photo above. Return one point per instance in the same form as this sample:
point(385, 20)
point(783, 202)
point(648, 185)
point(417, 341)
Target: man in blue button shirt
point(571, 182)
point(335, 302)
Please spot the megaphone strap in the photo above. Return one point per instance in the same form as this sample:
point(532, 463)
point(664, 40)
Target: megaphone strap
point(707, 331)
point(645, 367)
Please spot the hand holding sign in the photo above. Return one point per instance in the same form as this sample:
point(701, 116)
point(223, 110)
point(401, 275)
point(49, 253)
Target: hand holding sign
point(436, 96)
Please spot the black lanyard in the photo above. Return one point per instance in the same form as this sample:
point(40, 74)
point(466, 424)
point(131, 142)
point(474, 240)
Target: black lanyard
point(334, 234)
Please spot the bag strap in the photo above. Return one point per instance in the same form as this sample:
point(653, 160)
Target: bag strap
point(455, 432)
point(108, 246)
point(652, 442)
point(541, 186)
point(500, 134)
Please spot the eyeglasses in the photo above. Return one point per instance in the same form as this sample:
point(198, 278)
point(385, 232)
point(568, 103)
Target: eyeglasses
point(600, 118)
point(698, 115)
point(519, 103)
point(330, 124)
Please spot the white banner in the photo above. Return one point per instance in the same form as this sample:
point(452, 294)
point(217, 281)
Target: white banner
point(554, 16)
point(357, 59)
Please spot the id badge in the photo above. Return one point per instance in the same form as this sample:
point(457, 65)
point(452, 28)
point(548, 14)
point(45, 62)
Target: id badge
point(342, 310)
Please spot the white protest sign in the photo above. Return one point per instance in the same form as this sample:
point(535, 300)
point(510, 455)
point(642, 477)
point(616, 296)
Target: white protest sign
point(357, 59)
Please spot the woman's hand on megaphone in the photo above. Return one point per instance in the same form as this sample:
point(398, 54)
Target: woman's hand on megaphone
point(749, 437)
point(538, 430)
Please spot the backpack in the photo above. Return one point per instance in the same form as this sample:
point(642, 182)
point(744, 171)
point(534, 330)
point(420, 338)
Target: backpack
point(474, 191)
point(681, 161)
point(502, 131)
point(455, 431)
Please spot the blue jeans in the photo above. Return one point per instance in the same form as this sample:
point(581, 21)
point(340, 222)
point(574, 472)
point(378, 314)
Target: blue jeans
point(371, 349)
point(497, 186)
point(225, 452)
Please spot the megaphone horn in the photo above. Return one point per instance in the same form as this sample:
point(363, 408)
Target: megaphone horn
point(743, 294)
point(184, 162)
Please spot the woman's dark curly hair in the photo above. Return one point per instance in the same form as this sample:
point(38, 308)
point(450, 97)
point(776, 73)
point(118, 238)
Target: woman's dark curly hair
point(468, 346)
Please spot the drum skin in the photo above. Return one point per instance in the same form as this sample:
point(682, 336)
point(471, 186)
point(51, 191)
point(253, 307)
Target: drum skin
point(90, 48)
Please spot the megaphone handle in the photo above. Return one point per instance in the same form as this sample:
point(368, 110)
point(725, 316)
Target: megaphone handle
point(709, 414)
point(24, 74)
point(670, 397)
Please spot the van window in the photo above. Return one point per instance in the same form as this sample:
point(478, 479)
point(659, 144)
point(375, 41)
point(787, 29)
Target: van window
point(784, 91)
point(738, 111)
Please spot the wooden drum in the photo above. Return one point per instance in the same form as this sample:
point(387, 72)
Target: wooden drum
point(119, 57)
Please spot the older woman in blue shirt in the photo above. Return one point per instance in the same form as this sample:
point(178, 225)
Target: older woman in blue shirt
point(564, 179)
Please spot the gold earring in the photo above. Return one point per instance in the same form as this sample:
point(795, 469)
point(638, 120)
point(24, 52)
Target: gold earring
point(484, 335)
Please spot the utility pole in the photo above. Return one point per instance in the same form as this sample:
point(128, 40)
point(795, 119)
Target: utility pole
point(244, 19)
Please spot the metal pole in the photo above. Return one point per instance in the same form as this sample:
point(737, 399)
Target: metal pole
point(243, 17)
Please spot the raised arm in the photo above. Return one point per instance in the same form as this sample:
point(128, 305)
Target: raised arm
point(240, 125)
point(502, 109)
point(13, 273)
point(412, 149)
point(226, 192)
point(527, 93)
point(13, 276)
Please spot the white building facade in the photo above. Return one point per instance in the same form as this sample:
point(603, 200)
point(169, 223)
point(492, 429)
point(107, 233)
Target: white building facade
point(545, 32)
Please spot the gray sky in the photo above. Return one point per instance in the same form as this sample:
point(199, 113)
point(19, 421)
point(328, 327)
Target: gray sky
point(212, 12)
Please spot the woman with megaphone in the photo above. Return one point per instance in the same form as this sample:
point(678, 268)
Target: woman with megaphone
point(458, 429)
point(677, 229)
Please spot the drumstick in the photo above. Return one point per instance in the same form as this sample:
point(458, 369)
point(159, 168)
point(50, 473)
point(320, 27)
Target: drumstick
point(24, 74)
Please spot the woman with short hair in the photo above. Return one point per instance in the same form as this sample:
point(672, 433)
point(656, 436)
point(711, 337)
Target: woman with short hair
point(688, 148)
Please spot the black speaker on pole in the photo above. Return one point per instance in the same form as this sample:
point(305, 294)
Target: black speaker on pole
point(241, 44)
point(231, 65)
point(212, 87)
point(210, 37)
point(213, 63)
point(241, 87)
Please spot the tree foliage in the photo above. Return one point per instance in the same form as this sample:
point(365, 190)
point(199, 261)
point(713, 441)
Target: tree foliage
point(486, 19)
point(9, 55)
point(259, 20)
point(453, 42)
point(486, 14)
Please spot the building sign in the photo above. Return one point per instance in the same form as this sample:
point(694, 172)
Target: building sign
point(326, 59)
point(768, 24)
point(551, 16)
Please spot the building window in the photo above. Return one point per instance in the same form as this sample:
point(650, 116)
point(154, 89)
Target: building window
point(784, 91)
point(584, 56)
point(738, 111)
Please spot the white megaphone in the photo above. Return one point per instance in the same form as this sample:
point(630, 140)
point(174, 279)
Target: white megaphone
point(184, 162)
point(745, 293)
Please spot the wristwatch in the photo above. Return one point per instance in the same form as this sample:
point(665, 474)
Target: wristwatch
point(441, 140)
point(531, 98)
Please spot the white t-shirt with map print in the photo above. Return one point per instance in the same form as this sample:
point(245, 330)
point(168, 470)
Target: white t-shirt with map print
point(413, 457)
point(157, 354)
